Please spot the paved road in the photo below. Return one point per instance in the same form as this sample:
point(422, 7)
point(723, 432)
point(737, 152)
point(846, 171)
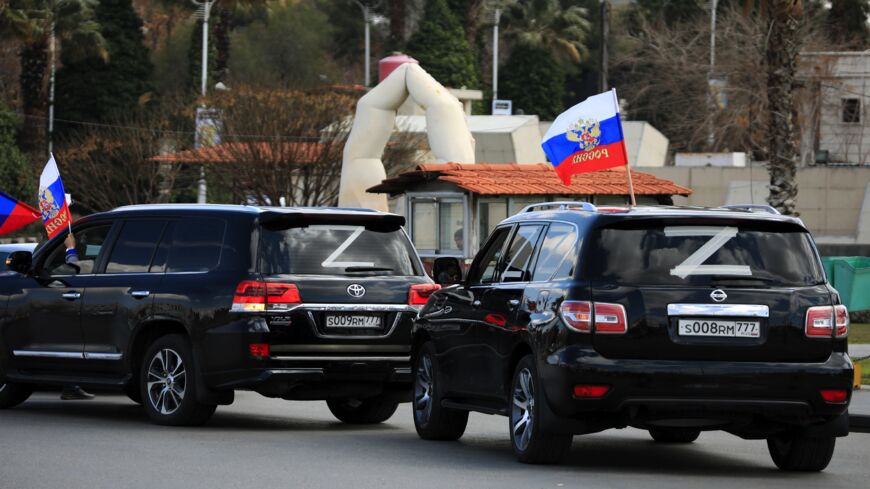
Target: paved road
point(859, 350)
point(258, 442)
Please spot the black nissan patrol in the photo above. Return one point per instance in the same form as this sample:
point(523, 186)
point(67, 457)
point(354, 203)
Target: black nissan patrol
point(180, 305)
point(575, 319)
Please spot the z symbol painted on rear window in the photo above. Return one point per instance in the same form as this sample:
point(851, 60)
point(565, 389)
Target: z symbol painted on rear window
point(330, 261)
point(693, 265)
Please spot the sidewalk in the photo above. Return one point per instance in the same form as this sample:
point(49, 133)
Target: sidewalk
point(859, 350)
point(859, 411)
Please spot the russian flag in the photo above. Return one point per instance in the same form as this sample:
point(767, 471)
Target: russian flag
point(15, 214)
point(52, 200)
point(586, 137)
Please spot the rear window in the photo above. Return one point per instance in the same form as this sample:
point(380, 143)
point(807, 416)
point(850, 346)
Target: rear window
point(335, 250)
point(703, 255)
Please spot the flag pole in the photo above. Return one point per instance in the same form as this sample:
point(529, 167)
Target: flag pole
point(632, 200)
point(628, 174)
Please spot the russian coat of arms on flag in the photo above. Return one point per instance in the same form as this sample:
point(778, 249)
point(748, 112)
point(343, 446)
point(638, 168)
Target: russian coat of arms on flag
point(52, 200)
point(586, 137)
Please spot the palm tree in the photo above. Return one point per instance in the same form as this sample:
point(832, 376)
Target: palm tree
point(545, 24)
point(783, 18)
point(68, 20)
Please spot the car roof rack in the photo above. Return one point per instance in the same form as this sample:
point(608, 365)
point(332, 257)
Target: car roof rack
point(562, 205)
point(752, 208)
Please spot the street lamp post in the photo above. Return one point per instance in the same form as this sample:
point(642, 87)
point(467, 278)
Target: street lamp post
point(367, 17)
point(202, 189)
point(495, 54)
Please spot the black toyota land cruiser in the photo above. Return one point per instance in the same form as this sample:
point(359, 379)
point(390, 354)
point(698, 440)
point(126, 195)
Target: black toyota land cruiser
point(179, 305)
point(674, 320)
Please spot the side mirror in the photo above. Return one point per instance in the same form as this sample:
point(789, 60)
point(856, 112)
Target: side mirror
point(447, 270)
point(20, 261)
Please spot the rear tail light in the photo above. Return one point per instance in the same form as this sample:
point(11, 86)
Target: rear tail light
point(606, 318)
point(591, 391)
point(259, 350)
point(834, 396)
point(419, 293)
point(827, 321)
point(255, 296)
point(841, 320)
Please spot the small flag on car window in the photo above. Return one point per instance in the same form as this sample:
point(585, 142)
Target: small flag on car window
point(15, 214)
point(52, 200)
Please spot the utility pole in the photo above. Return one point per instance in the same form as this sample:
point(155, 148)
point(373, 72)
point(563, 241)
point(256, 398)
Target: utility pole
point(711, 103)
point(605, 35)
point(202, 189)
point(367, 18)
point(495, 54)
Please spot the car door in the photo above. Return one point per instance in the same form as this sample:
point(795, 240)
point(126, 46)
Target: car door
point(44, 325)
point(119, 297)
point(457, 327)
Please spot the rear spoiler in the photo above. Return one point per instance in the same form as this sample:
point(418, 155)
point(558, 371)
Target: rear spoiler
point(382, 222)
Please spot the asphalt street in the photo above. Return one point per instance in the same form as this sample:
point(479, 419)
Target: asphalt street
point(259, 442)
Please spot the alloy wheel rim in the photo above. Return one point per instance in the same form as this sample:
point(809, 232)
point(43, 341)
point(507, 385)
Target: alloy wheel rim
point(2, 387)
point(423, 387)
point(167, 381)
point(523, 409)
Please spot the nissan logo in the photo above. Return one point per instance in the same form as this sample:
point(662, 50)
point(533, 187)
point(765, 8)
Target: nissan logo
point(718, 295)
point(356, 290)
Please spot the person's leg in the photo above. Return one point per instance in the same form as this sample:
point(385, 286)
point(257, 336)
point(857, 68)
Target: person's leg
point(74, 393)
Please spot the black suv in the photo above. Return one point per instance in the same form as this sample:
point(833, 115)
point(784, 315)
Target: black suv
point(179, 305)
point(674, 320)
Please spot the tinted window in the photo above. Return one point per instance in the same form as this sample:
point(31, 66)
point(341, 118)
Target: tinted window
point(704, 255)
point(490, 256)
point(135, 246)
point(196, 245)
point(89, 242)
point(558, 254)
point(335, 250)
point(518, 258)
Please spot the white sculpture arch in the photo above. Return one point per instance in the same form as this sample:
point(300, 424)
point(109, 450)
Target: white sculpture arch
point(446, 127)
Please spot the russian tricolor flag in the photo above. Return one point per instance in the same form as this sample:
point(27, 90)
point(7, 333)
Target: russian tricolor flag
point(586, 137)
point(52, 200)
point(15, 214)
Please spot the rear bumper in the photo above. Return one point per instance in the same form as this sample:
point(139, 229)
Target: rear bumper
point(750, 399)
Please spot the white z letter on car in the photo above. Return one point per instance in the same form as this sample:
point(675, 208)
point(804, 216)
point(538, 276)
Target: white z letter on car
point(693, 265)
point(330, 260)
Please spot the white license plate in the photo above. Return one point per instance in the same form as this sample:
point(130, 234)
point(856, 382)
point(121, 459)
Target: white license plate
point(352, 321)
point(719, 328)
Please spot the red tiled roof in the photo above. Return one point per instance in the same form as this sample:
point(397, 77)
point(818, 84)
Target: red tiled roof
point(528, 179)
point(235, 152)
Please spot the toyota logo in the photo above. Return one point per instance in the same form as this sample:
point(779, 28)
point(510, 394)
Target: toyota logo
point(718, 295)
point(356, 290)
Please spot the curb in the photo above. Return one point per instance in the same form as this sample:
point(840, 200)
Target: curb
point(859, 423)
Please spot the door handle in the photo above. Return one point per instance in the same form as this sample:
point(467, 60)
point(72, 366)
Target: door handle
point(72, 295)
point(139, 294)
point(513, 303)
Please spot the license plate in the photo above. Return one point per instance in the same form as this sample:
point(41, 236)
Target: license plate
point(352, 321)
point(719, 328)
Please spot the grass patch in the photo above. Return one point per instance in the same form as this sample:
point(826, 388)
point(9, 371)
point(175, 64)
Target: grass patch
point(859, 333)
point(865, 371)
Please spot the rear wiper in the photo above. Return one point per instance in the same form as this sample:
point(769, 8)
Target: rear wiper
point(368, 269)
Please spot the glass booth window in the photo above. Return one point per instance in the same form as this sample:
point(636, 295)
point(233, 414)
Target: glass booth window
point(438, 224)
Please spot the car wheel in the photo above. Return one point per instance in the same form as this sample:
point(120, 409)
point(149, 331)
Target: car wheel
point(363, 411)
point(431, 420)
point(531, 444)
point(12, 395)
point(794, 452)
point(167, 384)
point(674, 435)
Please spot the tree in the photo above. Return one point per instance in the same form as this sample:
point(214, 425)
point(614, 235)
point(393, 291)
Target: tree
point(15, 177)
point(545, 24)
point(442, 49)
point(92, 88)
point(534, 81)
point(783, 45)
point(847, 23)
point(73, 23)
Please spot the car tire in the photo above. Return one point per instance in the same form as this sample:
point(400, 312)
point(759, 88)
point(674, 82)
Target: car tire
point(167, 384)
point(12, 395)
point(674, 435)
point(798, 453)
point(531, 444)
point(373, 410)
point(431, 420)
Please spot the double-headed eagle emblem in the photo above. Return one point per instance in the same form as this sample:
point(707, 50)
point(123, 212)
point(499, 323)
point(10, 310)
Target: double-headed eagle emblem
point(47, 205)
point(586, 133)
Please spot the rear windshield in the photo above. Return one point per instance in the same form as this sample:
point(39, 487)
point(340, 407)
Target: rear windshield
point(703, 255)
point(335, 250)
